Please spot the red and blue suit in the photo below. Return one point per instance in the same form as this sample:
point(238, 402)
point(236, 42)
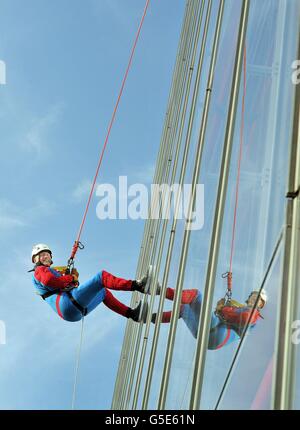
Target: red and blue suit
point(224, 329)
point(88, 294)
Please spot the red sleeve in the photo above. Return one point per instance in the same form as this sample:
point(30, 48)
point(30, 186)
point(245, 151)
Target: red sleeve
point(239, 317)
point(247, 313)
point(44, 275)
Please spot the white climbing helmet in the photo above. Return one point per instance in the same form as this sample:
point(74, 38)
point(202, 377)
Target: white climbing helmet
point(262, 293)
point(39, 248)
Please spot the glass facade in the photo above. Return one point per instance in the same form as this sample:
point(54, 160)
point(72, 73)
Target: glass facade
point(233, 106)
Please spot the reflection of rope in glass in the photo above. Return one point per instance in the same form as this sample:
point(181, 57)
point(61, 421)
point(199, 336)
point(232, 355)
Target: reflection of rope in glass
point(228, 274)
point(249, 319)
point(188, 380)
point(239, 168)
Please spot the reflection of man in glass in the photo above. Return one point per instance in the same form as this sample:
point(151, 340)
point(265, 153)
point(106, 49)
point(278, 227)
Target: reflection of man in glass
point(228, 320)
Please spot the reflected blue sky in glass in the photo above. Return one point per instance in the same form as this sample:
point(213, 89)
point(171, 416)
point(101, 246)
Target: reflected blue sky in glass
point(181, 370)
point(262, 184)
point(180, 223)
point(271, 48)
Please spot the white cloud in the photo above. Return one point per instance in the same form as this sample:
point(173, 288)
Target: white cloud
point(42, 207)
point(114, 9)
point(12, 216)
point(82, 190)
point(8, 222)
point(35, 137)
point(145, 174)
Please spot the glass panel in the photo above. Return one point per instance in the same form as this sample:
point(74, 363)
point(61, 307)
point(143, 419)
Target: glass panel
point(178, 239)
point(159, 363)
point(181, 371)
point(271, 46)
point(296, 341)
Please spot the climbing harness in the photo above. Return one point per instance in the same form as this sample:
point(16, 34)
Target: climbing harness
point(65, 270)
point(76, 304)
point(71, 298)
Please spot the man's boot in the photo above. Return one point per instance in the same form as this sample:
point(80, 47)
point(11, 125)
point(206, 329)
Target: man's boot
point(139, 313)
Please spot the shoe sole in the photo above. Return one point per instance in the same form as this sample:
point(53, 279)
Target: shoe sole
point(143, 312)
point(149, 280)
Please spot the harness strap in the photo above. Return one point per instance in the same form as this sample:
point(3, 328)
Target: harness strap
point(75, 303)
point(48, 294)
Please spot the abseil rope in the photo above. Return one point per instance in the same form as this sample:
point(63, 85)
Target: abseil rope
point(228, 274)
point(77, 243)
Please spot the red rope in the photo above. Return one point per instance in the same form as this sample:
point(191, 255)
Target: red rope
point(229, 278)
point(76, 245)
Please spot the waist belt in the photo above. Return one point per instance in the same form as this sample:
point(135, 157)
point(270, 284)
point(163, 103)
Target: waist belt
point(75, 303)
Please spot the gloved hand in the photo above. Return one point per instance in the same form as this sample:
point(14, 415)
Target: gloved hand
point(220, 305)
point(61, 269)
point(75, 274)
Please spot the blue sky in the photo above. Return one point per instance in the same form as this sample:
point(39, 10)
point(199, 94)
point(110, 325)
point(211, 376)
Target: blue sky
point(64, 65)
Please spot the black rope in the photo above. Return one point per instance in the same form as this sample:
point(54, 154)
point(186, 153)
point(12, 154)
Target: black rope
point(248, 321)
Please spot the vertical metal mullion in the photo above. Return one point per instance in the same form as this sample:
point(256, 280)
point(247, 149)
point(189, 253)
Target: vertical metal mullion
point(183, 256)
point(198, 21)
point(126, 343)
point(133, 326)
point(167, 125)
point(171, 137)
point(125, 352)
point(155, 223)
point(174, 224)
point(181, 113)
point(267, 207)
point(130, 326)
point(285, 365)
point(137, 328)
point(205, 316)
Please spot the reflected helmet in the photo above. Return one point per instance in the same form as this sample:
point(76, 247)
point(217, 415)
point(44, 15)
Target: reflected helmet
point(39, 248)
point(262, 293)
